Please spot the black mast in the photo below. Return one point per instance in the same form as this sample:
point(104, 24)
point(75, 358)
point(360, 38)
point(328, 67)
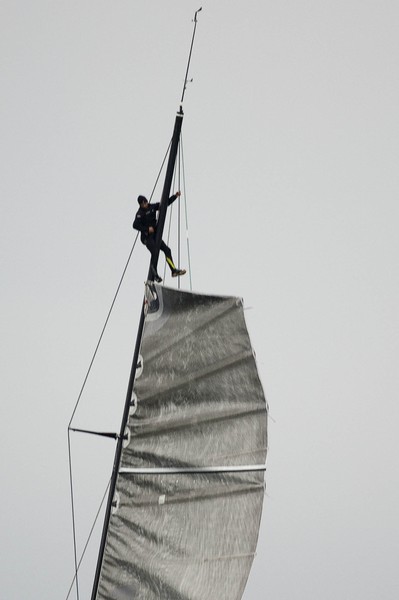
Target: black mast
point(160, 226)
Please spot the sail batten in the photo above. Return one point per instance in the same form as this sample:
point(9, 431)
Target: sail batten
point(182, 470)
point(190, 483)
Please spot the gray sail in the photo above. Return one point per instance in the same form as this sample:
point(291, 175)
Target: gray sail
point(190, 485)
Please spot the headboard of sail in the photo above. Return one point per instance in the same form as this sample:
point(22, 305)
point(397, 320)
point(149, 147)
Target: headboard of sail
point(190, 485)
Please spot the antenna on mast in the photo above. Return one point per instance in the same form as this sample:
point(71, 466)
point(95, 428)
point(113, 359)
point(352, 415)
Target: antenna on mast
point(189, 57)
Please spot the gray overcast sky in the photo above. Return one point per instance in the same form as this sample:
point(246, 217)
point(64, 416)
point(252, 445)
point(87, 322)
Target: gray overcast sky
point(291, 155)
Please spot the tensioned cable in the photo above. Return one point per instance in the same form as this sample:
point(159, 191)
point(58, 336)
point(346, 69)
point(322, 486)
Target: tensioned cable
point(169, 225)
point(170, 220)
point(168, 237)
point(178, 219)
point(115, 296)
point(74, 411)
point(89, 536)
point(103, 331)
point(186, 213)
point(73, 515)
point(181, 179)
point(84, 384)
point(91, 363)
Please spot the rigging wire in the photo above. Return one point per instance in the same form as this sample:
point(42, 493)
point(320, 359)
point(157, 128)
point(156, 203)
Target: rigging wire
point(75, 555)
point(74, 411)
point(170, 221)
point(186, 213)
point(118, 454)
point(179, 171)
point(89, 537)
point(181, 176)
point(84, 384)
point(178, 218)
point(168, 237)
point(103, 331)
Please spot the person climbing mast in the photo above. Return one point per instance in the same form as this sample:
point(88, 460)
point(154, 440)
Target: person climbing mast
point(146, 222)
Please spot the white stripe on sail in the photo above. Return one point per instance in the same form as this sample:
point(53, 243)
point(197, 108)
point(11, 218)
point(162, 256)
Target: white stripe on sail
point(177, 470)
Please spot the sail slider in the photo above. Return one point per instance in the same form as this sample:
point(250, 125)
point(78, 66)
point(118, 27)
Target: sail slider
point(182, 470)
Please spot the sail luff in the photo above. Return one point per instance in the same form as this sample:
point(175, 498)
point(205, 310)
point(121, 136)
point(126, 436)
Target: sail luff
point(118, 452)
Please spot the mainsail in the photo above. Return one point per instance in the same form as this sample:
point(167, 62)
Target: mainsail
point(190, 483)
point(186, 493)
